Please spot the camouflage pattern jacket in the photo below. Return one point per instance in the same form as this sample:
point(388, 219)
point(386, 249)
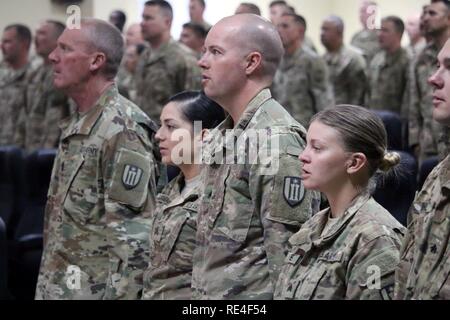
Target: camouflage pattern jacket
point(388, 82)
point(101, 194)
point(347, 75)
point(367, 41)
point(12, 100)
point(45, 106)
point(354, 258)
point(301, 85)
point(250, 207)
point(424, 269)
point(161, 73)
point(172, 244)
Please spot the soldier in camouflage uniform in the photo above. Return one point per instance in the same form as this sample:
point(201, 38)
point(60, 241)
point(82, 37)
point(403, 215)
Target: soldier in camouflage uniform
point(280, 7)
point(167, 67)
point(350, 250)
point(301, 83)
point(346, 64)
point(14, 73)
point(126, 76)
point(389, 71)
point(174, 224)
point(103, 182)
point(424, 268)
point(427, 136)
point(196, 10)
point(253, 198)
point(367, 38)
point(45, 106)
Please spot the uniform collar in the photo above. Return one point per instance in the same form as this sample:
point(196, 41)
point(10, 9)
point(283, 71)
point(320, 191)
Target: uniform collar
point(311, 234)
point(446, 174)
point(11, 75)
point(219, 139)
point(159, 53)
point(335, 57)
point(82, 123)
point(173, 197)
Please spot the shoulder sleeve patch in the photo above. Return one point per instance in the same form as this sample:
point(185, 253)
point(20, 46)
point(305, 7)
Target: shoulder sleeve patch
point(130, 178)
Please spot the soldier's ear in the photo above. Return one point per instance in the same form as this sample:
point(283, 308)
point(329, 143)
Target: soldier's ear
point(204, 134)
point(356, 161)
point(253, 61)
point(98, 61)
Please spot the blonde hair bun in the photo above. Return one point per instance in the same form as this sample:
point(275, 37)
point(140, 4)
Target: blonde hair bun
point(389, 161)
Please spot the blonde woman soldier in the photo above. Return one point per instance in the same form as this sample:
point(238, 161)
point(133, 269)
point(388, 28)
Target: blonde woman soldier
point(349, 250)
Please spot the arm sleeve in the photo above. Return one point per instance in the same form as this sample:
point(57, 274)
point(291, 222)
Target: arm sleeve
point(370, 275)
point(130, 189)
point(283, 203)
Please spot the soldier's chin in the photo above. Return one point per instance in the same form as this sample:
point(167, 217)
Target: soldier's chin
point(58, 85)
point(442, 116)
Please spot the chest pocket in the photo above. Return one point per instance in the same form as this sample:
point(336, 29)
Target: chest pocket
point(318, 281)
point(234, 206)
point(79, 187)
point(172, 229)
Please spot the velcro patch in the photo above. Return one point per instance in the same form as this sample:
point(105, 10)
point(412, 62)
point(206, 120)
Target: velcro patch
point(130, 178)
point(293, 191)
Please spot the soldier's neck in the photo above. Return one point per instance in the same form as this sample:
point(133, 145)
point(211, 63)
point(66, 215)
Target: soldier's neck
point(335, 48)
point(157, 42)
point(87, 96)
point(394, 49)
point(290, 50)
point(190, 171)
point(19, 63)
point(341, 198)
point(235, 104)
point(441, 39)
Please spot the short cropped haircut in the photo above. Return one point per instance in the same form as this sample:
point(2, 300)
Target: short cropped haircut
point(58, 27)
point(397, 22)
point(106, 38)
point(198, 29)
point(23, 32)
point(165, 7)
point(446, 2)
point(297, 18)
point(202, 3)
point(278, 3)
point(252, 7)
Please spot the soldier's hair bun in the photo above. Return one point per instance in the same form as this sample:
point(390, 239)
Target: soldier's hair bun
point(389, 161)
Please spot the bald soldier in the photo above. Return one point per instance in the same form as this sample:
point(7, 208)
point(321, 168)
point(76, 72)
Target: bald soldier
point(427, 137)
point(366, 39)
point(45, 106)
point(14, 72)
point(346, 64)
point(253, 198)
point(167, 67)
point(423, 271)
point(103, 183)
point(301, 83)
point(389, 70)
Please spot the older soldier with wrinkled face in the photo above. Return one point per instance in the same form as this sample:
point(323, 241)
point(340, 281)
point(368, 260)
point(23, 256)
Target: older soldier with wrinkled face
point(103, 184)
point(423, 269)
point(248, 211)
